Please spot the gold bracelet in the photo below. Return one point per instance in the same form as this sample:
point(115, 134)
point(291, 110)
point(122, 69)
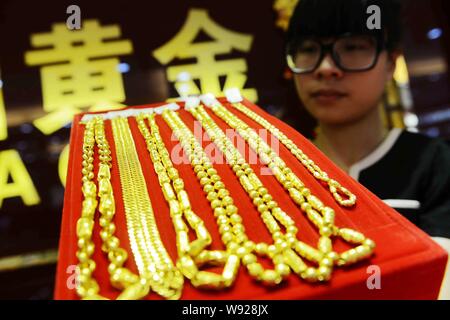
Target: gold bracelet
point(176, 196)
point(153, 261)
point(334, 187)
point(231, 229)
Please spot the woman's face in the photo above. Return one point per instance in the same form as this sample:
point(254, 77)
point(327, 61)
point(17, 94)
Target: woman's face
point(336, 97)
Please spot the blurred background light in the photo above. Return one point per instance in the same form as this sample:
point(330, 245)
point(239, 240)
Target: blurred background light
point(434, 33)
point(184, 76)
point(123, 67)
point(411, 120)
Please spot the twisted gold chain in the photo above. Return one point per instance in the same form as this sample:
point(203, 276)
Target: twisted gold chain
point(87, 286)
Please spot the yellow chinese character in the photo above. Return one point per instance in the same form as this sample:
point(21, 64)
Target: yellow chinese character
point(3, 125)
point(284, 9)
point(79, 71)
point(63, 164)
point(207, 70)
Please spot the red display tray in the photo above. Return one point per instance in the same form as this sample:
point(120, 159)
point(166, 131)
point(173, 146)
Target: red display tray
point(410, 263)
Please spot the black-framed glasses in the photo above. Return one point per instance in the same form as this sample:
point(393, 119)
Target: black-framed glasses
point(350, 53)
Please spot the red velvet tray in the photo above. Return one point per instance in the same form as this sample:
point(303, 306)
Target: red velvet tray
point(411, 264)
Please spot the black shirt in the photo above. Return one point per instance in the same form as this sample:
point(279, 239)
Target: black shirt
point(411, 173)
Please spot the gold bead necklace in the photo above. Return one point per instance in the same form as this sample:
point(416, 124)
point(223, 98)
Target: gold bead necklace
point(334, 187)
point(270, 212)
point(300, 194)
point(325, 257)
point(191, 255)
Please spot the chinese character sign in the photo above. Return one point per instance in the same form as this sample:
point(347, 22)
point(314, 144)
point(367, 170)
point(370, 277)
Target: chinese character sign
point(3, 125)
point(207, 70)
point(78, 71)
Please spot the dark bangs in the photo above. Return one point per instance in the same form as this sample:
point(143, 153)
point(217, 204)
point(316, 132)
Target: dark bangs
point(332, 18)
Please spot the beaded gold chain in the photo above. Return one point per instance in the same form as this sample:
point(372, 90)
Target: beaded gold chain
point(152, 259)
point(269, 209)
point(229, 221)
point(121, 277)
point(334, 186)
point(301, 195)
point(174, 193)
point(325, 257)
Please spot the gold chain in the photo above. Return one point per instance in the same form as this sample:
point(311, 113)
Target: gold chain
point(325, 257)
point(153, 261)
point(229, 221)
point(87, 287)
point(156, 269)
point(268, 208)
point(177, 198)
point(321, 215)
point(335, 187)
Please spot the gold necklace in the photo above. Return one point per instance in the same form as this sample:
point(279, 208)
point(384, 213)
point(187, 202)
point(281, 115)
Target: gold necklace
point(228, 219)
point(325, 256)
point(87, 287)
point(153, 261)
point(268, 208)
point(176, 196)
point(121, 277)
point(334, 187)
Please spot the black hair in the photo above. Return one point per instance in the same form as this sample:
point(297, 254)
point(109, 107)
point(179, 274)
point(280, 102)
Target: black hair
point(332, 18)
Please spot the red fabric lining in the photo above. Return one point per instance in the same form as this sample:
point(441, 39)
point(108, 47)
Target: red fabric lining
point(412, 265)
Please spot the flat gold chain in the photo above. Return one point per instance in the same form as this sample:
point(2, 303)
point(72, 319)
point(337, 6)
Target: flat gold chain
point(152, 259)
point(334, 186)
